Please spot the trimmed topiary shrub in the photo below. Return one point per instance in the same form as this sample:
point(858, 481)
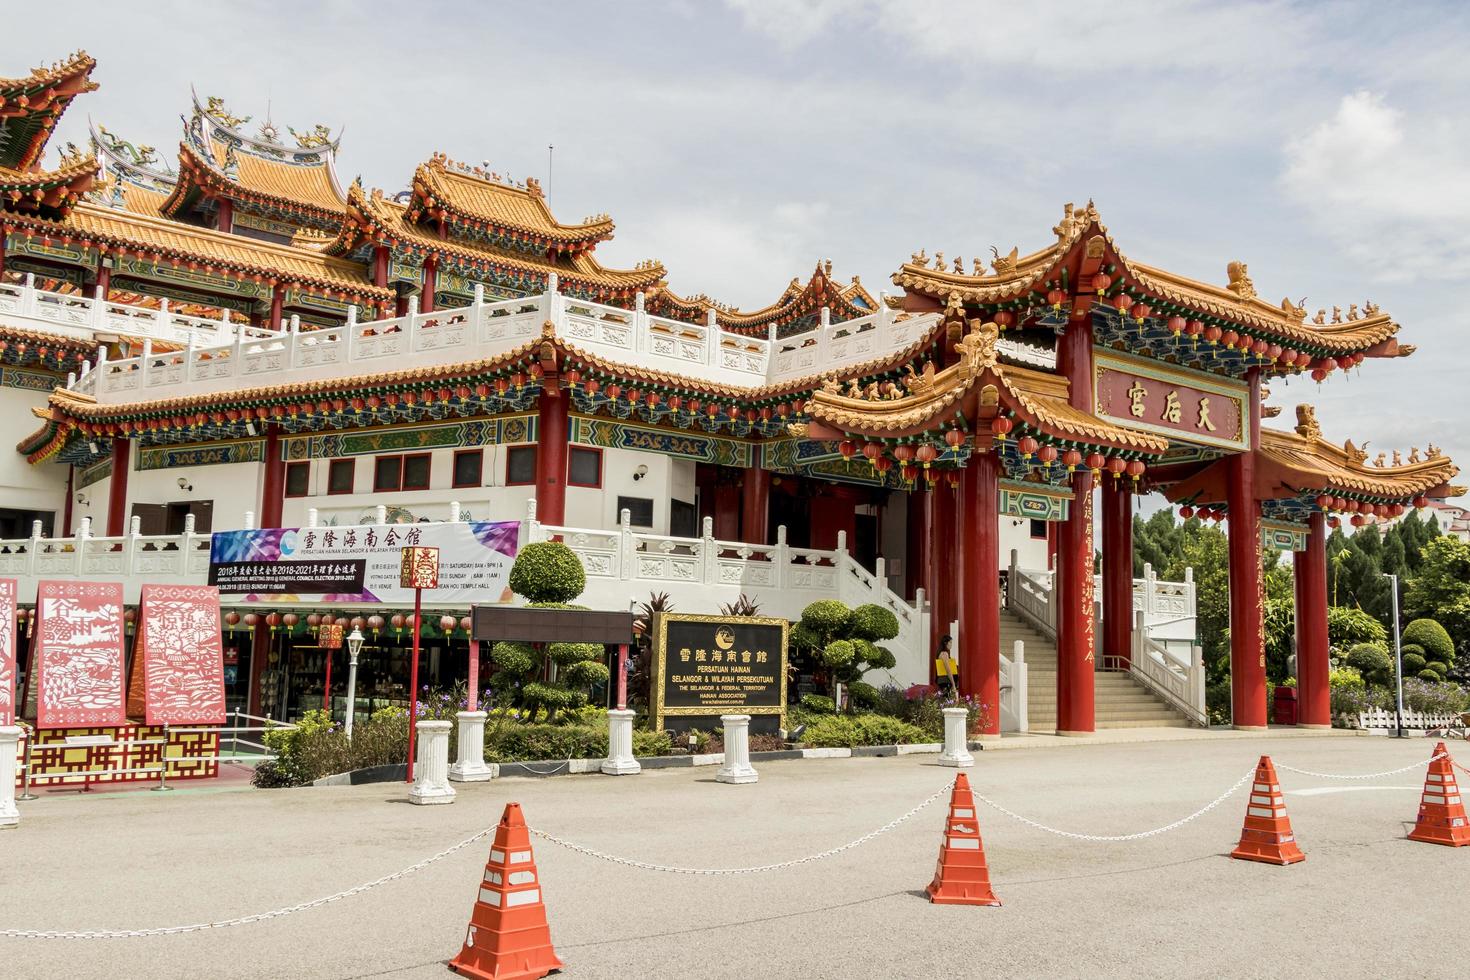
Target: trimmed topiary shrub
point(1433, 638)
point(826, 617)
point(1413, 663)
point(547, 571)
point(818, 704)
point(1437, 667)
point(1430, 676)
point(865, 696)
point(1372, 661)
point(842, 639)
point(873, 622)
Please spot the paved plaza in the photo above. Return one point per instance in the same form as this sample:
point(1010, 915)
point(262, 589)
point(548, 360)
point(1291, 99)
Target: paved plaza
point(1366, 902)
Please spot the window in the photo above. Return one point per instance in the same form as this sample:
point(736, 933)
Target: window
point(468, 466)
point(640, 510)
point(1038, 529)
point(584, 467)
point(401, 472)
point(683, 520)
point(342, 476)
point(520, 465)
point(298, 479)
point(416, 471)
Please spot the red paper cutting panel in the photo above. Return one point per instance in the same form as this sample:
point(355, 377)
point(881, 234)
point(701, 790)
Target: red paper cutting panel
point(80, 654)
point(183, 659)
point(7, 651)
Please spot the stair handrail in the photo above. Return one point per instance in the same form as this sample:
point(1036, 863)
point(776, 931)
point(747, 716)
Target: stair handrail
point(1164, 674)
point(1029, 594)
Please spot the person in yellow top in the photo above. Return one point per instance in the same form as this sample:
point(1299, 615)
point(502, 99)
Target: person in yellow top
point(946, 668)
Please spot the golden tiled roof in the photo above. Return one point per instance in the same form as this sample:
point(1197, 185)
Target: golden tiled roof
point(141, 200)
point(1013, 276)
point(380, 219)
point(440, 183)
point(796, 301)
point(308, 186)
point(155, 235)
point(30, 107)
point(977, 383)
point(1320, 465)
point(57, 189)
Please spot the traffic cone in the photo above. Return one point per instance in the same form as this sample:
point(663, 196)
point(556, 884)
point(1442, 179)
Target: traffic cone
point(962, 877)
point(508, 938)
point(1267, 835)
point(1441, 811)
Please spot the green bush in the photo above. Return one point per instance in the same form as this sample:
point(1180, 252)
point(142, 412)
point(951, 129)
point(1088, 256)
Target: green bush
point(1437, 667)
point(1347, 626)
point(1413, 663)
point(842, 731)
point(1428, 675)
point(646, 743)
point(818, 704)
point(1345, 677)
point(317, 748)
point(1414, 649)
point(825, 617)
point(517, 743)
point(548, 571)
point(865, 696)
point(513, 657)
point(838, 653)
point(1433, 637)
point(1372, 661)
point(873, 622)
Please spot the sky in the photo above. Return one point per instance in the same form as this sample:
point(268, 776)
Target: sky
point(741, 142)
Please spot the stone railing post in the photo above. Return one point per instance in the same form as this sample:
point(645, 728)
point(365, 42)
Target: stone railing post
point(712, 338)
point(99, 304)
point(640, 323)
point(311, 517)
point(1020, 686)
point(431, 771)
point(470, 767)
point(9, 768)
point(783, 558)
point(625, 545)
point(737, 767)
point(708, 552)
point(380, 514)
point(145, 363)
point(249, 521)
point(956, 739)
point(620, 760)
point(454, 512)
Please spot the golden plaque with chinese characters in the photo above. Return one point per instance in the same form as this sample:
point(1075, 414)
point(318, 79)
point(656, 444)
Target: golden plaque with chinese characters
point(1190, 406)
point(707, 666)
point(419, 568)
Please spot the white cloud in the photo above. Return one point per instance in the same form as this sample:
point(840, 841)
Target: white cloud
point(1387, 187)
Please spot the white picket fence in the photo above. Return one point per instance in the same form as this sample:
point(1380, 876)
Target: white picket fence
point(218, 355)
point(1377, 719)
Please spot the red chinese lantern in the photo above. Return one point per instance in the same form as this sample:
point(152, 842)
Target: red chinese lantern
point(1135, 469)
point(1217, 516)
point(903, 452)
point(1258, 347)
point(883, 464)
point(1095, 463)
point(1003, 319)
point(1047, 454)
point(1324, 501)
point(357, 622)
point(1101, 281)
point(1396, 510)
point(328, 619)
point(231, 617)
point(447, 623)
point(1121, 302)
point(1334, 522)
point(290, 620)
point(1186, 512)
point(1212, 334)
point(1273, 352)
point(1176, 325)
point(847, 449)
point(1000, 425)
point(250, 619)
point(1421, 502)
point(1359, 520)
point(465, 623)
point(873, 451)
point(397, 620)
point(313, 620)
point(926, 454)
point(908, 471)
point(1141, 311)
point(375, 622)
point(1194, 327)
point(1319, 375)
point(1303, 359)
point(1056, 297)
point(273, 620)
point(954, 438)
point(1027, 445)
point(129, 615)
point(1071, 457)
point(1116, 466)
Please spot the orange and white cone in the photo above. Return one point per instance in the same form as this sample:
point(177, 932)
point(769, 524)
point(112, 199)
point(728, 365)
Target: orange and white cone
point(1441, 810)
point(962, 877)
point(1267, 835)
point(508, 937)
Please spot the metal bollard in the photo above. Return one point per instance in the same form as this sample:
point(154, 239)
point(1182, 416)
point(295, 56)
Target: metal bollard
point(163, 786)
point(25, 783)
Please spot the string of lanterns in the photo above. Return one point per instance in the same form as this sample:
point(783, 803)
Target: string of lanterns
point(288, 622)
point(1362, 511)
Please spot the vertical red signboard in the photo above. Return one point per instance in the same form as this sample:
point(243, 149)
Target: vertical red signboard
point(7, 651)
point(79, 654)
point(183, 659)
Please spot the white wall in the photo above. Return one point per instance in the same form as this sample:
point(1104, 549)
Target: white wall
point(234, 488)
point(23, 486)
point(1015, 534)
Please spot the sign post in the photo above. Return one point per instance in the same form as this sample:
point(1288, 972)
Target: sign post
point(329, 638)
point(418, 569)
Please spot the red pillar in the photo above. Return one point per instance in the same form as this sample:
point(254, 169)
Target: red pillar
point(65, 529)
point(226, 222)
point(916, 544)
point(979, 640)
point(1076, 663)
point(104, 276)
point(273, 486)
point(726, 524)
point(1247, 583)
point(1117, 573)
point(944, 563)
point(117, 489)
point(431, 279)
point(551, 457)
point(278, 299)
point(755, 506)
point(1312, 664)
point(380, 266)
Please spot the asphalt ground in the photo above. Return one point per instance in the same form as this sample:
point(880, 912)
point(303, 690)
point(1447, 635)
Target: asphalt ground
point(1365, 903)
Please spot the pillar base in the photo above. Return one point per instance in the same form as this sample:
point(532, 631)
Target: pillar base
point(1251, 728)
point(431, 768)
point(1074, 734)
point(1316, 728)
point(471, 767)
point(620, 761)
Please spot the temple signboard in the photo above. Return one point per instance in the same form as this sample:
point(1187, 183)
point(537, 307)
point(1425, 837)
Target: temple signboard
point(707, 666)
point(1187, 405)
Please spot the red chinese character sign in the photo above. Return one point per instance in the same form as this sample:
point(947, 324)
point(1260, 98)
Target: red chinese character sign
point(183, 659)
point(329, 637)
point(1183, 405)
point(419, 568)
point(79, 654)
point(7, 651)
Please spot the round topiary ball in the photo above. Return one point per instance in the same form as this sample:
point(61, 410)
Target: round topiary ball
point(1430, 676)
point(825, 617)
point(1413, 663)
point(838, 653)
point(873, 622)
point(1432, 637)
point(548, 571)
point(513, 657)
point(863, 695)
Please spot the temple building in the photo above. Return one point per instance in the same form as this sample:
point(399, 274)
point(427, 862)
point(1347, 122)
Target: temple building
point(229, 337)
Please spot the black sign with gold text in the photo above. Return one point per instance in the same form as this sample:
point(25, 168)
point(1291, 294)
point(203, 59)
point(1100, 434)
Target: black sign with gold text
point(718, 665)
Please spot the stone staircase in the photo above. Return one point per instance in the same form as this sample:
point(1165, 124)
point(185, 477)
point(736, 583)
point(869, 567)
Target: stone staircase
point(1122, 702)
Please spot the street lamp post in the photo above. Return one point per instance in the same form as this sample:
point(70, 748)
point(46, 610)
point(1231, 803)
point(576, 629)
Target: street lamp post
point(354, 647)
point(1398, 655)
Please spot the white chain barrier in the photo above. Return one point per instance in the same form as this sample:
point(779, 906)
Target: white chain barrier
point(1366, 775)
point(756, 869)
point(1125, 837)
point(244, 919)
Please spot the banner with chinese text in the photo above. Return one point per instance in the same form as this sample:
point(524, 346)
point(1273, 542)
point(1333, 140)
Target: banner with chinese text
point(79, 654)
point(182, 657)
point(361, 563)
